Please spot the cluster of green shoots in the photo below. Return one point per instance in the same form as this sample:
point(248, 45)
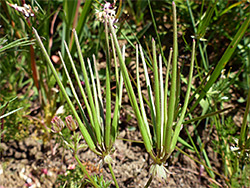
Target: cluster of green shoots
point(96, 124)
point(162, 107)
point(98, 128)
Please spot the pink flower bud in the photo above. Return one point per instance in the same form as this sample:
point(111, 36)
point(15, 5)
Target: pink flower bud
point(71, 123)
point(44, 171)
point(71, 167)
point(57, 124)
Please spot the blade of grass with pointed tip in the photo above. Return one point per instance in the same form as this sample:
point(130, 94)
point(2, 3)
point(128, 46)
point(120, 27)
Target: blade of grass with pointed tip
point(82, 92)
point(161, 88)
point(184, 108)
point(83, 129)
point(166, 98)
point(96, 125)
point(157, 99)
point(206, 116)
point(223, 61)
point(98, 81)
point(75, 94)
point(94, 89)
point(108, 92)
point(231, 7)
point(147, 60)
point(99, 93)
point(150, 93)
point(86, 171)
point(18, 42)
point(69, 10)
point(171, 110)
point(131, 94)
point(118, 97)
point(202, 28)
point(200, 87)
point(143, 112)
point(69, 79)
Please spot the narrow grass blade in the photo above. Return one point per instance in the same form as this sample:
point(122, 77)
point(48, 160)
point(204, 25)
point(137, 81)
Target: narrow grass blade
point(9, 113)
point(99, 93)
point(108, 92)
point(171, 106)
point(143, 112)
point(205, 116)
point(200, 87)
point(69, 79)
point(86, 103)
point(89, 93)
point(184, 108)
point(205, 63)
point(118, 98)
point(131, 93)
point(222, 176)
point(155, 27)
point(161, 88)
point(98, 82)
point(150, 93)
point(223, 61)
point(86, 172)
point(94, 90)
point(83, 129)
point(18, 42)
point(75, 94)
point(202, 28)
point(157, 99)
point(166, 99)
point(82, 92)
point(184, 143)
point(95, 96)
point(243, 131)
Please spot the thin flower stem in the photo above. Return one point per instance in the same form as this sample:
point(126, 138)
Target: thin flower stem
point(85, 171)
point(108, 92)
point(113, 175)
point(149, 181)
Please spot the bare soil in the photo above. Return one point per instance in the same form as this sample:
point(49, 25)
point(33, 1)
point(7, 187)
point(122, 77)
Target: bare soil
point(32, 163)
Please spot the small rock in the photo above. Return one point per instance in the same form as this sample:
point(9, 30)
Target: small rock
point(22, 146)
point(18, 155)
point(3, 147)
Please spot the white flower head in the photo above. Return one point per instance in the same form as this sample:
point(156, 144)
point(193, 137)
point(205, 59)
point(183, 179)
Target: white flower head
point(107, 12)
point(159, 171)
point(108, 159)
point(26, 10)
